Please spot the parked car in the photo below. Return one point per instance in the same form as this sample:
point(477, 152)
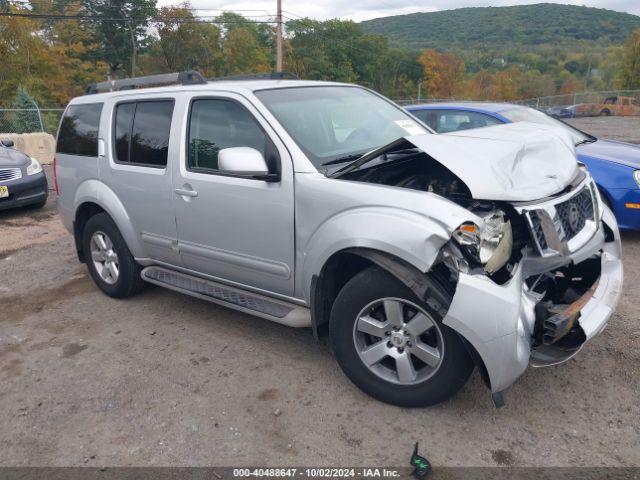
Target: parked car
point(562, 111)
point(616, 105)
point(615, 166)
point(22, 181)
point(325, 205)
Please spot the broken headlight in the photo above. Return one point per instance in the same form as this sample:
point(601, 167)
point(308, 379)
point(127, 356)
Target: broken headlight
point(488, 245)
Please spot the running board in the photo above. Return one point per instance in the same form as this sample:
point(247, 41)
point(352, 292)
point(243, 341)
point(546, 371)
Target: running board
point(275, 310)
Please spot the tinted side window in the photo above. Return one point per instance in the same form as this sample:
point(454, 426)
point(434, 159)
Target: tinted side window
point(218, 124)
point(124, 120)
point(142, 132)
point(78, 133)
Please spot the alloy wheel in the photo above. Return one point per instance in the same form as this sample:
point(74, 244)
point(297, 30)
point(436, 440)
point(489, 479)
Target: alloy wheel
point(398, 341)
point(104, 257)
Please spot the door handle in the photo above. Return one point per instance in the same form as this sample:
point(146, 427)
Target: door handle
point(186, 192)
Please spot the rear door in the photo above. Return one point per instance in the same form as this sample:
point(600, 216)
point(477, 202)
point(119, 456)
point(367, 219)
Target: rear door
point(140, 150)
point(239, 230)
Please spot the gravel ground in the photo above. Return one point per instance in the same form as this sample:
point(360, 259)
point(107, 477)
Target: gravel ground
point(164, 379)
point(624, 129)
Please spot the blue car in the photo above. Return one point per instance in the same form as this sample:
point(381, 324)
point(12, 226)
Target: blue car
point(615, 166)
point(562, 112)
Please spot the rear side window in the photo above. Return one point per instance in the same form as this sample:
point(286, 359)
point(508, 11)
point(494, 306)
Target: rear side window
point(142, 132)
point(78, 133)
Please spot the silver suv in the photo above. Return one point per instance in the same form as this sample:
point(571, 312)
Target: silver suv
point(325, 205)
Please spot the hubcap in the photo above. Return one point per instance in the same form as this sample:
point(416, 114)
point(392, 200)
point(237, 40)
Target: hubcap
point(105, 259)
point(398, 341)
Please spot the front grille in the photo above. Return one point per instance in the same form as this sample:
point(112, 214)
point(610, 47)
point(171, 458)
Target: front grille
point(575, 212)
point(536, 223)
point(7, 174)
point(554, 225)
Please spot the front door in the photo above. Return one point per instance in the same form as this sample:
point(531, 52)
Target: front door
point(239, 230)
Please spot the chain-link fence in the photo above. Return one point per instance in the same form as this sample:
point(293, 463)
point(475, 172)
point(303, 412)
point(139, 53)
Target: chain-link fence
point(576, 98)
point(417, 101)
point(30, 120)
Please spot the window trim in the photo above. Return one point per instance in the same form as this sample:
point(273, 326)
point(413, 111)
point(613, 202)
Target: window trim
point(64, 115)
point(271, 177)
point(136, 101)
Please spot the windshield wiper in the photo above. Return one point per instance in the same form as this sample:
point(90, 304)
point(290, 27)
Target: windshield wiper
point(347, 158)
point(586, 140)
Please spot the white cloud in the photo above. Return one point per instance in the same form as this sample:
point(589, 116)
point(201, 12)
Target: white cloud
point(366, 9)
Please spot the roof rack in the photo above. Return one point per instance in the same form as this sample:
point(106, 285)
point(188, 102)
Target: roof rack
point(179, 78)
point(259, 76)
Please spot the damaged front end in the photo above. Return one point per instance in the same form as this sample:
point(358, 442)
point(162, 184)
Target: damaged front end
point(537, 269)
point(557, 290)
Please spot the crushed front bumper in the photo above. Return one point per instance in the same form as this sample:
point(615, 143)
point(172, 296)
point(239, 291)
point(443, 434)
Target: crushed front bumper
point(499, 320)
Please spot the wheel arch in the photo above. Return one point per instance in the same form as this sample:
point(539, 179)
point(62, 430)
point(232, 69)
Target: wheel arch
point(346, 263)
point(93, 197)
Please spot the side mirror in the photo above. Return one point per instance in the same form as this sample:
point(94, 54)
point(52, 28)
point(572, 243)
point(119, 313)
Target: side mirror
point(244, 162)
point(7, 143)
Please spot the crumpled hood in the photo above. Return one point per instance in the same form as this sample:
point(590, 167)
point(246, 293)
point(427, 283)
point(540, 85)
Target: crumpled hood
point(12, 158)
point(512, 162)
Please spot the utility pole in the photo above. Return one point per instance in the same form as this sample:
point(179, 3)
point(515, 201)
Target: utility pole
point(279, 37)
point(134, 52)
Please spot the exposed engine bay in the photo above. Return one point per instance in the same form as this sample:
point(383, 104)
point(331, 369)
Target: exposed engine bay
point(409, 167)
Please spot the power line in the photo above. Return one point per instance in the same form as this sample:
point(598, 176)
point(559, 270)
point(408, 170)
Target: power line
point(79, 3)
point(182, 19)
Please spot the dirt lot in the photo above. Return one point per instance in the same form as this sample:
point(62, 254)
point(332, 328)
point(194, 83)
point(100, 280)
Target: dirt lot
point(164, 379)
point(624, 129)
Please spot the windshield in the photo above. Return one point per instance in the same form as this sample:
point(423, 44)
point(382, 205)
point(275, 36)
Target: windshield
point(336, 124)
point(525, 114)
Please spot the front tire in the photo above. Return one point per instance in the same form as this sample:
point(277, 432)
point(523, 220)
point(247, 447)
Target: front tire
point(393, 345)
point(108, 258)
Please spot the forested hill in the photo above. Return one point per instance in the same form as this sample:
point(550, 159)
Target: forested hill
point(498, 28)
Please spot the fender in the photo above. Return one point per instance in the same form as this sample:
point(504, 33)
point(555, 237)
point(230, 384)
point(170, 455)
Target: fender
point(95, 191)
point(408, 236)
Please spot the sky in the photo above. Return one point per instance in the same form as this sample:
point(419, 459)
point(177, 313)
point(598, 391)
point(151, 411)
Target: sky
point(366, 9)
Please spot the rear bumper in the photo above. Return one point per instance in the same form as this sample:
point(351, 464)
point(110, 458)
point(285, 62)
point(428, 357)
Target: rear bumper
point(499, 320)
point(27, 190)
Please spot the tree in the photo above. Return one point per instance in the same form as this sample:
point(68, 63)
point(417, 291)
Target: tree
point(123, 31)
point(243, 54)
point(184, 46)
point(28, 119)
point(630, 70)
point(442, 73)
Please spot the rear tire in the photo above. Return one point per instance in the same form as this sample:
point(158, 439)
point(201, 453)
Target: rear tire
point(421, 363)
point(108, 258)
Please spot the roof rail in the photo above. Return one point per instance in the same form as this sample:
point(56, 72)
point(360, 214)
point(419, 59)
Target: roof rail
point(259, 76)
point(179, 78)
